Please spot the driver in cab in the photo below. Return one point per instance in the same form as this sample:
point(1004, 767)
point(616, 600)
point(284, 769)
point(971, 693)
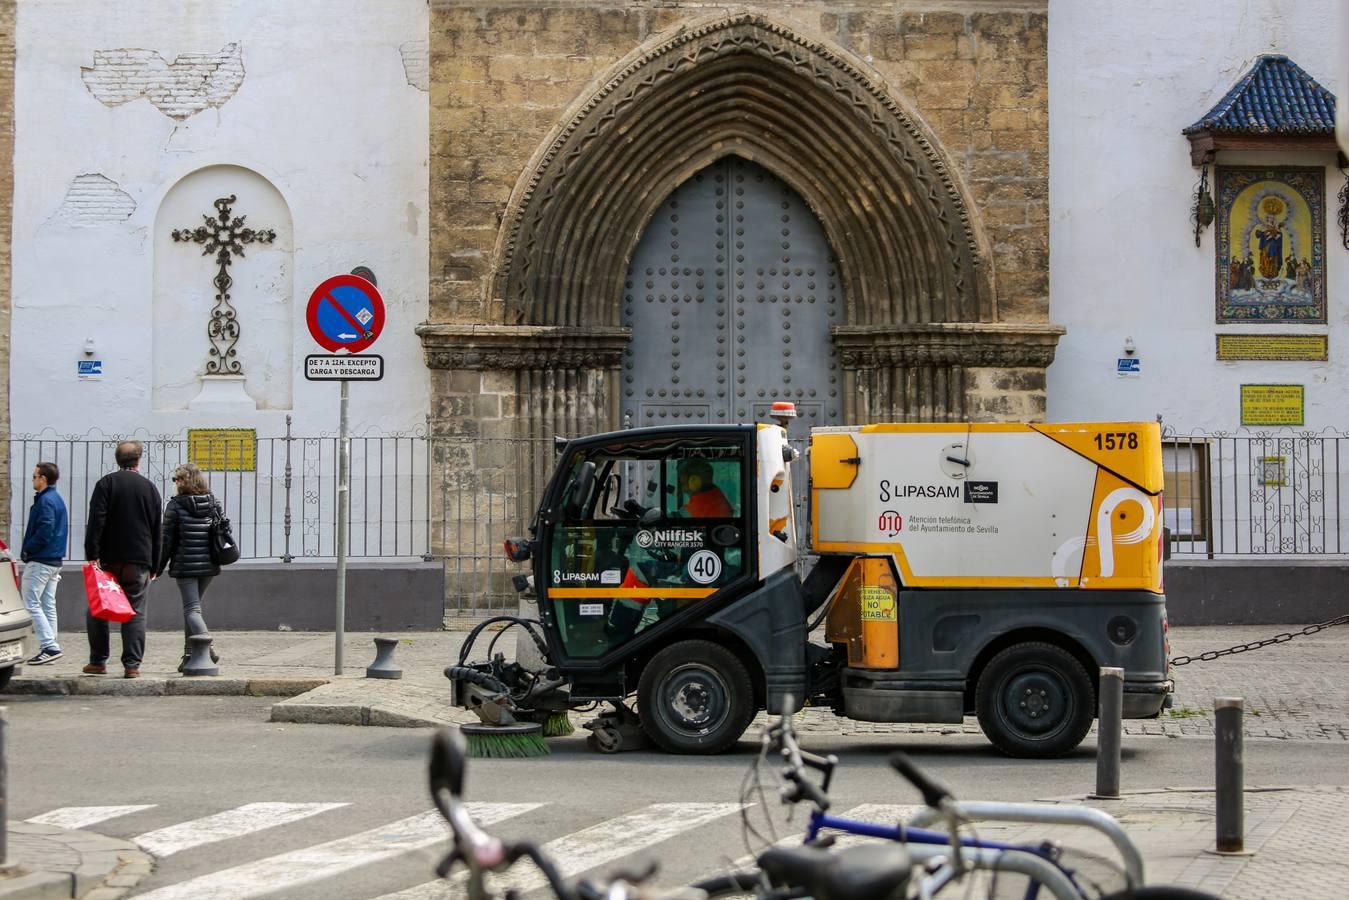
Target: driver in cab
point(705, 499)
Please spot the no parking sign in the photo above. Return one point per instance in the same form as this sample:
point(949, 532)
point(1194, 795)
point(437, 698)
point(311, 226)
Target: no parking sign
point(345, 313)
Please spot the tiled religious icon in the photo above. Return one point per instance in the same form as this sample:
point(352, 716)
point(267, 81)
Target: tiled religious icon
point(1271, 244)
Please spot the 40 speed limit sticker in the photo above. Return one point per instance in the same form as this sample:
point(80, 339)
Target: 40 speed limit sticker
point(704, 567)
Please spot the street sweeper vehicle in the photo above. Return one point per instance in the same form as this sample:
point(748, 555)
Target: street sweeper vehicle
point(956, 569)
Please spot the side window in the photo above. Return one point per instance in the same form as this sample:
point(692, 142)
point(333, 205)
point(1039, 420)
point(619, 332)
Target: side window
point(662, 529)
point(705, 488)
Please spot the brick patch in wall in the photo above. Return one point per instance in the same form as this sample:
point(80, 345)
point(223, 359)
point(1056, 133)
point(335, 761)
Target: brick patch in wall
point(94, 200)
point(178, 89)
point(415, 64)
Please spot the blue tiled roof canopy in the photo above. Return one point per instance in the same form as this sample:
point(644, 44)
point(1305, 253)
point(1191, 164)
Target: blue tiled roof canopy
point(1275, 97)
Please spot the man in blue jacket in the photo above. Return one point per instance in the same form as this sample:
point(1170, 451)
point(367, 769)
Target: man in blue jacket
point(44, 546)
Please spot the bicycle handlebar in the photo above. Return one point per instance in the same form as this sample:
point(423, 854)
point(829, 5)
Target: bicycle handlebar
point(802, 788)
point(933, 791)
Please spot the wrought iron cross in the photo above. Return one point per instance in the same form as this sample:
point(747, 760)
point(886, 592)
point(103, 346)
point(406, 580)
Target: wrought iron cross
point(225, 237)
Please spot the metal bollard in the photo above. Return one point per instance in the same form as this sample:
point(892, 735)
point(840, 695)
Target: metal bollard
point(199, 656)
point(383, 666)
point(1109, 732)
point(1229, 774)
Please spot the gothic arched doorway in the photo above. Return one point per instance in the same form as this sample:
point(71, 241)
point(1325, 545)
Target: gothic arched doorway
point(730, 296)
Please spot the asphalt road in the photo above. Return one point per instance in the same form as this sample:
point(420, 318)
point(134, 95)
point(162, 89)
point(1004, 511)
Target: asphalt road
point(189, 758)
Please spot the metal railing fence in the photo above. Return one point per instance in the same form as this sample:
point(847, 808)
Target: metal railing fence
point(413, 497)
point(453, 499)
point(1241, 494)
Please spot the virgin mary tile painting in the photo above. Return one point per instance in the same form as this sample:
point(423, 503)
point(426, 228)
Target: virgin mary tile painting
point(1271, 264)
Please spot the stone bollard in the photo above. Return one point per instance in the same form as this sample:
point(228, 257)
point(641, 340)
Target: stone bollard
point(383, 666)
point(199, 656)
point(1109, 732)
point(1229, 775)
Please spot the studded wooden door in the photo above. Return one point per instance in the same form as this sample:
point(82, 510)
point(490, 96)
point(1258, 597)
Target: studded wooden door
point(730, 296)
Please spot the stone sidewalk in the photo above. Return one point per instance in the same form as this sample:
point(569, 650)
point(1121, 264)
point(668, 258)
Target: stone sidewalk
point(1291, 841)
point(47, 862)
point(1293, 691)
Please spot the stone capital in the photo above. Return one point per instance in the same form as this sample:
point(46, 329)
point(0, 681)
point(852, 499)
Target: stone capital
point(489, 347)
point(968, 344)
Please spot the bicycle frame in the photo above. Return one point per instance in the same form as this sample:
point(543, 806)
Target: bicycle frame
point(1029, 860)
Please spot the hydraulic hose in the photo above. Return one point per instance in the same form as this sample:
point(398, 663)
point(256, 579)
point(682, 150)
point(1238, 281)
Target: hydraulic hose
point(514, 620)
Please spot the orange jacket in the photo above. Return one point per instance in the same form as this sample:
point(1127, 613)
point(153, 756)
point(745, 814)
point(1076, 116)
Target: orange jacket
point(709, 503)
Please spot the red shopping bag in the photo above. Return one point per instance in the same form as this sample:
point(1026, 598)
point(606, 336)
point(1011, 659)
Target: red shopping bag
point(105, 596)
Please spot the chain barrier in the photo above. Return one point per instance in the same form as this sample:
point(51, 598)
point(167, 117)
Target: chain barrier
point(1256, 645)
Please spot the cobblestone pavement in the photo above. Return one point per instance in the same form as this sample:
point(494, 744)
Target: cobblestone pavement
point(1298, 690)
point(1289, 841)
point(1293, 691)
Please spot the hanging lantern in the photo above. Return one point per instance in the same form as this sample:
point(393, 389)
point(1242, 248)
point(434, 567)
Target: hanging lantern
point(1202, 210)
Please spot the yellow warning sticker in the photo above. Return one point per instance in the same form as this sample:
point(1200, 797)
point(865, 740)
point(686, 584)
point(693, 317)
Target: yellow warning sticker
point(878, 604)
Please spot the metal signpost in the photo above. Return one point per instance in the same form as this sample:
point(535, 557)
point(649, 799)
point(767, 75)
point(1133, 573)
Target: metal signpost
point(345, 316)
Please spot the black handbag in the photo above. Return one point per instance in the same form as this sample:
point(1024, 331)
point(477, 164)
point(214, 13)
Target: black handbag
point(224, 548)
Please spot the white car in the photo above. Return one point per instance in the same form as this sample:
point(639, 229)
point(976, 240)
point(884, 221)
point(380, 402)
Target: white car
point(16, 625)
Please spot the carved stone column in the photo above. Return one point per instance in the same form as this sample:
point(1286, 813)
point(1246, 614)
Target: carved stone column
point(563, 380)
point(945, 372)
point(500, 394)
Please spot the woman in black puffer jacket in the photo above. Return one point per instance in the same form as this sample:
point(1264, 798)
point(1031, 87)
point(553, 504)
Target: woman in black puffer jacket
point(186, 548)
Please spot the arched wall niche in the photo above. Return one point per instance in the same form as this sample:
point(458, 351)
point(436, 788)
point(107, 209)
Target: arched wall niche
point(184, 293)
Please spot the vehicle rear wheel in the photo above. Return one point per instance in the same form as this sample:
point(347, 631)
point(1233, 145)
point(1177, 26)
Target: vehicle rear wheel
point(1034, 700)
point(5, 675)
point(695, 697)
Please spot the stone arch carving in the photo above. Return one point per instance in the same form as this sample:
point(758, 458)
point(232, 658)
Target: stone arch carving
point(890, 205)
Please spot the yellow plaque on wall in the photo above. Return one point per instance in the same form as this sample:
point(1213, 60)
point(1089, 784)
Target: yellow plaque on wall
point(1280, 347)
point(1272, 404)
point(223, 449)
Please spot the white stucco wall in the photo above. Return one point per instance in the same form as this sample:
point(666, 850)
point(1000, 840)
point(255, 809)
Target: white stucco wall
point(118, 103)
point(1124, 79)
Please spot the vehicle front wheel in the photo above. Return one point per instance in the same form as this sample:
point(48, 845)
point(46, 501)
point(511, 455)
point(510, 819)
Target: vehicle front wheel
point(695, 697)
point(1034, 700)
point(5, 675)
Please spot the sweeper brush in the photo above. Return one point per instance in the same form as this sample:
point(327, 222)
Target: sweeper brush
point(520, 740)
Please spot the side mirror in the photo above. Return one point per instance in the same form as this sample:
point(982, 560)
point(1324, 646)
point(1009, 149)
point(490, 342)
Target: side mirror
point(580, 489)
point(651, 516)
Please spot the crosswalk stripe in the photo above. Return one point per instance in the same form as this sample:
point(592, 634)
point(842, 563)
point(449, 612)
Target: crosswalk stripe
point(590, 847)
point(84, 816)
point(229, 824)
point(287, 870)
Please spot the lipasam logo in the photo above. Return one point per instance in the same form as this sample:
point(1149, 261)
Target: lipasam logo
point(890, 491)
point(890, 522)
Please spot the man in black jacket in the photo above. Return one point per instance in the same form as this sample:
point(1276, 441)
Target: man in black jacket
point(122, 538)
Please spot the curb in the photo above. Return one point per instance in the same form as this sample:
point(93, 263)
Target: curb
point(107, 868)
point(38, 886)
point(347, 714)
point(179, 686)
